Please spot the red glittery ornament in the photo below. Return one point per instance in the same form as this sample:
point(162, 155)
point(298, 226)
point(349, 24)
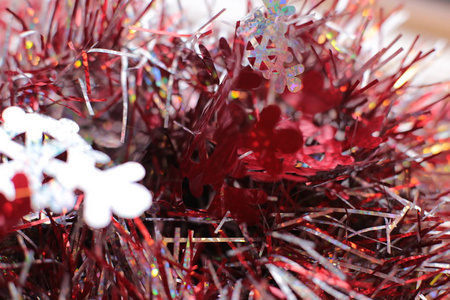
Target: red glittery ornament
point(267, 141)
point(315, 96)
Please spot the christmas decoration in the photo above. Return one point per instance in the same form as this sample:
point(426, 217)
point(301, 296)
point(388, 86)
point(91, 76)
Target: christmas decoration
point(37, 159)
point(143, 157)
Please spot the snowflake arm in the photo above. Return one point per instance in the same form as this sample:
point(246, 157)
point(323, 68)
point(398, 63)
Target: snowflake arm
point(106, 192)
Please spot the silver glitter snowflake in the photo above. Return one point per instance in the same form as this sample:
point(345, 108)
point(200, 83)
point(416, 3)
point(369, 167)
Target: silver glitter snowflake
point(270, 48)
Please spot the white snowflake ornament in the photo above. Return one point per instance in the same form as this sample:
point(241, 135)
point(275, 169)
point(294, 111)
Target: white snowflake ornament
point(30, 143)
point(106, 192)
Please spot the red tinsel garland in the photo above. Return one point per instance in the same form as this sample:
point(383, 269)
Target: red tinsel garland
point(286, 161)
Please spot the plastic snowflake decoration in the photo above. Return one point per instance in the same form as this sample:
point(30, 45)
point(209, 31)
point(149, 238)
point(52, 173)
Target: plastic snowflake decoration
point(33, 144)
point(269, 49)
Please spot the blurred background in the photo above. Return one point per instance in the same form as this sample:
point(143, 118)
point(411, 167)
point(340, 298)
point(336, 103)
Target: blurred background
point(428, 18)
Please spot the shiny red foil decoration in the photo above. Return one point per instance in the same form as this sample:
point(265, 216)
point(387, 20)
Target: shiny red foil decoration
point(243, 204)
point(11, 212)
point(337, 191)
point(265, 140)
